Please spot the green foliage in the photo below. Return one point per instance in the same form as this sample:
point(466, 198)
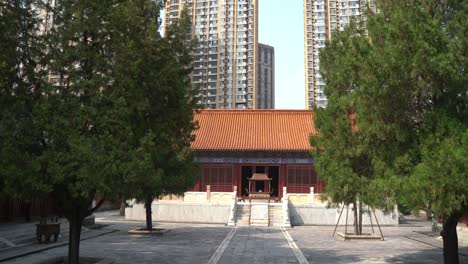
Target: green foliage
point(440, 179)
point(161, 108)
point(97, 104)
point(21, 144)
point(84, 115)
point(394, 72)
point(339, 148)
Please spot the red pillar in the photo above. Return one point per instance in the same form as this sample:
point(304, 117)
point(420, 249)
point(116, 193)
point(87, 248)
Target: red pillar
point(197, 187)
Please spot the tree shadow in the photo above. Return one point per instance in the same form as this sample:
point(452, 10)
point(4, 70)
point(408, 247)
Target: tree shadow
point(423, 256)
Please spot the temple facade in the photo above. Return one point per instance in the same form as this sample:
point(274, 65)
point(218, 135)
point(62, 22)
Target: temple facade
point(256, 170)
point(232, 145)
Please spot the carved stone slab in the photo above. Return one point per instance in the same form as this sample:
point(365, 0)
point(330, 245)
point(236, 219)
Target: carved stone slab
point(259, 212)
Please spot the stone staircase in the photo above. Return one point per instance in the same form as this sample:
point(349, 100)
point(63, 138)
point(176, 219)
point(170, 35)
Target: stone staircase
point(275, 214)
point(243, 215)
point(259, 214)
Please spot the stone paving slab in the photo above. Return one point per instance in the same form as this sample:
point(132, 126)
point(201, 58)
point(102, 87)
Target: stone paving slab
point(258, 245)
point(318, 246)
point(184, 244)
point(19, 251)
point(197, 243)
point(19, 234)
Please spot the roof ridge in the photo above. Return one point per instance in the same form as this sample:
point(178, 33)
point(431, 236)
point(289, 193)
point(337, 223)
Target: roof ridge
point(237, 111)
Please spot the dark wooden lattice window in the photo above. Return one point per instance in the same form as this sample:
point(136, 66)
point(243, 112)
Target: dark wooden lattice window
point(299, 179)
point(218, 177)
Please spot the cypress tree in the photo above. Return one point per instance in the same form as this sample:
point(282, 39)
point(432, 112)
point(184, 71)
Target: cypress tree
point(404, 79)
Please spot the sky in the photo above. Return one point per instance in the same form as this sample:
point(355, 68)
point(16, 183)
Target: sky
point(281, 26)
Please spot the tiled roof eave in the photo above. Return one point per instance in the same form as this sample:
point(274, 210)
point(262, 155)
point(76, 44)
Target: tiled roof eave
point(254, 150)
point(253, 130)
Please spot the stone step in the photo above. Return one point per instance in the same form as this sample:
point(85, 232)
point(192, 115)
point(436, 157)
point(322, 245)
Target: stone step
point(259, 224)
point(275, 215)
point(276, 224)
point(259, 221)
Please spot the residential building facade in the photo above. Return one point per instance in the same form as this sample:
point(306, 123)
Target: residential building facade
point(265, 77)
point(226, 52)
point(321, 18)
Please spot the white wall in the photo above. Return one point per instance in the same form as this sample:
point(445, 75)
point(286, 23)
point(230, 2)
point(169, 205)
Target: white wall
point(218, 213)
point(181, 212)
point(320, 215)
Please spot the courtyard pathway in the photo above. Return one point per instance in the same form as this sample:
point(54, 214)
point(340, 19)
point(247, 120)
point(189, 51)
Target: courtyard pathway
point(191, 243)
point(257, 245)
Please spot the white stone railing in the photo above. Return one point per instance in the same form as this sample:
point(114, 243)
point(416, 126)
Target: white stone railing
point(209, 197)
point(286, 220)
point(304, 198)
point(232, 212)
point(195, 197)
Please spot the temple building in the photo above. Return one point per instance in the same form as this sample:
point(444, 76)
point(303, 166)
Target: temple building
point(256, 170)
point(233, 145)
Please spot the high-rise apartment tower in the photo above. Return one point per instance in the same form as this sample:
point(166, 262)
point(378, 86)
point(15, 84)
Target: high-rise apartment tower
point(321, 18)
point(225, 56)
point(265, 77)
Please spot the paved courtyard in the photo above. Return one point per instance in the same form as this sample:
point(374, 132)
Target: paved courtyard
point(190, 243)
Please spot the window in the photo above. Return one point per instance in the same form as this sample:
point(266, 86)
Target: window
point(218, 177)
point(299, 179)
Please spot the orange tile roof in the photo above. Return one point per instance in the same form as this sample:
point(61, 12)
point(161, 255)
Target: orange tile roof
point(250, 130)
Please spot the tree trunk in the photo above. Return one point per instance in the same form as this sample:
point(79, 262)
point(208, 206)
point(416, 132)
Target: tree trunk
point(449, 234)
point(434, 226)
point(360, 219)
point(122, 208)
point(76, 221)
point(149, 220)
point(356, 221)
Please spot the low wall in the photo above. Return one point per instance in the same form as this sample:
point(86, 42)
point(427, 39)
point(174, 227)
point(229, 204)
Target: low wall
point(183, 212)
point(211, 197)
point(306, 198)
point(302, 214)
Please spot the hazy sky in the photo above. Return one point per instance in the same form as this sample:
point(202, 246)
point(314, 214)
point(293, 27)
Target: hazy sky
point(281, 26)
